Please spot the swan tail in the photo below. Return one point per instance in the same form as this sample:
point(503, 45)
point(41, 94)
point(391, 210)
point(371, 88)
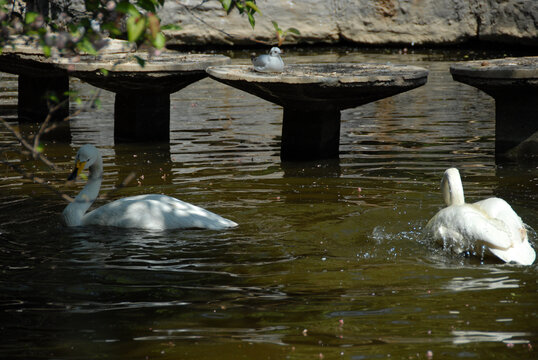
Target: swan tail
point(522, 254)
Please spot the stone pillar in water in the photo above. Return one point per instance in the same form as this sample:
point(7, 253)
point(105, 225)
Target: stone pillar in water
point(310, 134)
point(34, 94)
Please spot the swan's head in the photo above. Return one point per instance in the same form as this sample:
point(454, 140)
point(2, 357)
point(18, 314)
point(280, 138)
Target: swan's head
point(452, 188)
point(86, 156)
point(275, 51)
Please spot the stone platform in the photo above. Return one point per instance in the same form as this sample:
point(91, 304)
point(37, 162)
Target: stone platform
point(313, 95)
point(38, 78)
point(142, 105)
point(513, 83)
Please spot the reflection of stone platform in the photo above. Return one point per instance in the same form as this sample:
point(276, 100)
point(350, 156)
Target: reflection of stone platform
point(313, 96)
point(513, 83)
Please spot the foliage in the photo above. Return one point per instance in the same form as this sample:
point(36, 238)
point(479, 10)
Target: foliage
point(132, 20)
point(244, 7)
point(281, 34)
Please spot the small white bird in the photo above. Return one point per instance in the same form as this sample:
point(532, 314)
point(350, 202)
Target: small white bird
point(490, 224)
point(152, 211)
point(269, 63)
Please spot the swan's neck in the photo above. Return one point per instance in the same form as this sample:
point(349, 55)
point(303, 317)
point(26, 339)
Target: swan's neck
point(452, 189)
point(74, 212)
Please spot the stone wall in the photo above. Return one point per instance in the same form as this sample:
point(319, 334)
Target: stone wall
point(378, 22)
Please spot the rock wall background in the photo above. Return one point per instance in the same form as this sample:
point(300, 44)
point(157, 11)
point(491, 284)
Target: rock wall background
point(378, 22)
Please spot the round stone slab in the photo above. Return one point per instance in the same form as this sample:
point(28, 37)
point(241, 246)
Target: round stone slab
point(167, 72)
point(343, 85)
point(524, 68)
point(24, 56)
point(313, 95)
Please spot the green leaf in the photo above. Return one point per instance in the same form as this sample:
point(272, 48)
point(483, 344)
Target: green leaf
point(54, 98)
point(91, 5)
point(104, 72)
point(253, 6)
point(275, 25)
point(226, 4)
point(147, 5)
point(136, 25)
point(30, 17)
point(294, 31)
point(171, 27)
point(96, 104)
point(111, 28)
point(140, 61)
point(86, 46)
point(160, 41)
point(46, 50)
point(251, 20)
point(127, 8)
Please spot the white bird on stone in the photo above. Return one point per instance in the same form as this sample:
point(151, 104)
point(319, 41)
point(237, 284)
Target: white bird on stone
point(269, 63)
point(490, 224)
point(152, 211)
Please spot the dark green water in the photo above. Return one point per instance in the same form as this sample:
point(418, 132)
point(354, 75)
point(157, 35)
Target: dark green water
point(328, 260)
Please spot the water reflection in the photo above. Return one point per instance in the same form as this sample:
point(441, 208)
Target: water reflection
point(142, 159)
point(466, 337)
point(472, 284)
point(258, 335)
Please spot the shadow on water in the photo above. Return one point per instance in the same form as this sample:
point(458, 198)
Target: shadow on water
point(328, 260)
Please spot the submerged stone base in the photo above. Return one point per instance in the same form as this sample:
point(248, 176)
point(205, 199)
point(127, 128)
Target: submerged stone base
point(513, 83)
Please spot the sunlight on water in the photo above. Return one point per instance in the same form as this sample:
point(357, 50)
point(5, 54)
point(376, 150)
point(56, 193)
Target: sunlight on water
point(470, 284)
point(466, 337)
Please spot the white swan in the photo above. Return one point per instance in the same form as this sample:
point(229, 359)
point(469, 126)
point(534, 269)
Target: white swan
point(153, 211)
point(489, 223)
point(269, 63)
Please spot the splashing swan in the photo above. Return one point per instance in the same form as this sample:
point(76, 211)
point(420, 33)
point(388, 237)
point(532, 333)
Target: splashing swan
point(490, 223)
point(152, 211)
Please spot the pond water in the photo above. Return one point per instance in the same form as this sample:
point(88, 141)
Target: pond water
point(327, 262)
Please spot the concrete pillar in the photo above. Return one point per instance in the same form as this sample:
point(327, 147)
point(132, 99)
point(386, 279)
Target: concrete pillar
point(516, 116)
point(34, 92)
point(310, 133)
point(142, 116)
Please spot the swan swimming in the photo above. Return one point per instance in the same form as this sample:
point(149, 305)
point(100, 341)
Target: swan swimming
point(152, 211)
point(269, 63)
point(490, 223)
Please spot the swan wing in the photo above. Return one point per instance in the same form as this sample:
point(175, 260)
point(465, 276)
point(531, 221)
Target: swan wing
point(499, 209)
point(158, 212)
point(521, 253)
point(463, 227)
point(521, 250)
